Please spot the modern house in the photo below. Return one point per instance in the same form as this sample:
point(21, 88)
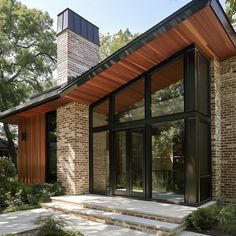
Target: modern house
point(155, 121)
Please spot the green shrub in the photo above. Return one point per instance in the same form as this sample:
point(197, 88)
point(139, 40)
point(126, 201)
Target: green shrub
point(221, 217)
point(203, 218)
point(53, 227)
point(7, 169)
point(20, 208)
point(7, 173)
point(31, 194)
point(226, 216)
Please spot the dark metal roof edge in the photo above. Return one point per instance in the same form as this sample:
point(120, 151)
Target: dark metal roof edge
point(224, 20)
point(177, 17)
point(21, 107)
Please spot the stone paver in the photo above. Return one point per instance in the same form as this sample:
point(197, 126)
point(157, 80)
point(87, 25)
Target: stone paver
point(17, 222)
point(188, 233)
point(20, 221)
point(163, 209)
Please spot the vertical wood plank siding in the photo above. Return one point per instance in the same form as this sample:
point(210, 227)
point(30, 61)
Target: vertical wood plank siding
point(32, 153)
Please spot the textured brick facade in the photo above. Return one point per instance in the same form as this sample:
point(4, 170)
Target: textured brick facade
point(223, 105)
point(216, 128)
point(73, 147)
point(75, 55)
point(228, 130)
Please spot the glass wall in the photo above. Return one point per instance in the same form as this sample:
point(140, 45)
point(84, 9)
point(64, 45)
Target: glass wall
point(129, 103)
point(51, 171)
point(168, 161)
point(167, 88)
point(121, 161)
point(101, 114)
point(101, 161)
point(158, 130)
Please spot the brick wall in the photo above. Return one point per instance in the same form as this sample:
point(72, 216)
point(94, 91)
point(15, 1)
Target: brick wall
point(216, 128)
point(228, 130)
point(223, 116)
point(73, 147)
point(75, 55)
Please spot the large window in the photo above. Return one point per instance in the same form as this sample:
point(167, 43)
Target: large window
point(51, 172)
point(129, 103)
point(101, 161)
point(167, 88)
point(101, 114)
point(159, 128)
point(168, 161)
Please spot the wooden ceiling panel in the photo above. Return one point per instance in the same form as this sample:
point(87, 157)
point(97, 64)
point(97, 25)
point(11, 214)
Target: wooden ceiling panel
point(203, 28)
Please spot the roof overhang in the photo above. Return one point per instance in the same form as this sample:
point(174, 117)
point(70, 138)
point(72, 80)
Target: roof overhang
point(203, 23)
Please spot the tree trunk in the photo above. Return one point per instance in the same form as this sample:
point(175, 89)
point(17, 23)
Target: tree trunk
point(11, 145)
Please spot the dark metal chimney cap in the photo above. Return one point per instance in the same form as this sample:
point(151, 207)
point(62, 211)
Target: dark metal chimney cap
point(68, 19)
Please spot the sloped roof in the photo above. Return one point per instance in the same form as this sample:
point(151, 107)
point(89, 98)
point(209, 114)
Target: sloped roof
point(201, 22)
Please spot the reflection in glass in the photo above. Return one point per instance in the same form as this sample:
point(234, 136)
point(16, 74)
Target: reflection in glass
point(137, 160)
point(168, 161)
point(167, 89)
point(101, 114)
point(52, 147)
point(129, 103)
point(101, 161)
point(121, 174)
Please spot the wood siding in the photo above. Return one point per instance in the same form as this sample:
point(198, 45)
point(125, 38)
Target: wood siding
point(32, 153)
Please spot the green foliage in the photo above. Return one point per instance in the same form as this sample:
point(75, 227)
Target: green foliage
point(20, 208)
point(226, 216)
point(7, 173)
point(53, 227)
point(231, 10)
point(203, 218)
point(221, 217)
point(7, 170)
point(32, 194)
point(111, 43)
point(27, 56)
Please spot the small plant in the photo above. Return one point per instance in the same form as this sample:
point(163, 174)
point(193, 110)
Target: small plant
point(221, 217)
point(226, 216)
point(203, 218)
point(53, 227)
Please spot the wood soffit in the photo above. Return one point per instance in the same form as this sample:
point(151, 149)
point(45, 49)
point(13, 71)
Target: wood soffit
point(204, 28)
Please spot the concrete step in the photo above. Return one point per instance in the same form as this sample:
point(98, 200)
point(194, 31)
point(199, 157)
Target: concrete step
point(148, 210)
point(132, 222)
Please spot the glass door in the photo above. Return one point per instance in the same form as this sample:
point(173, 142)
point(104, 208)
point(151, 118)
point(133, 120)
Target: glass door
point(129, 162)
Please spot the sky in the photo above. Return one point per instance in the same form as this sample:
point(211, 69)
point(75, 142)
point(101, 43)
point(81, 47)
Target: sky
point(113, 15)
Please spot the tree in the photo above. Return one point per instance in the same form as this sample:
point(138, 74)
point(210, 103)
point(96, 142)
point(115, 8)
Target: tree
point(27, 56)
point(111, 43)
point(231, 10)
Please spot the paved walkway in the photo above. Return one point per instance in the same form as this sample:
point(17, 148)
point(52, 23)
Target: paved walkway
point(21, 221)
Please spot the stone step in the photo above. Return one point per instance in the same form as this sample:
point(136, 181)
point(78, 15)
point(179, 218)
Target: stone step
point(132, 222)
point(143, 210)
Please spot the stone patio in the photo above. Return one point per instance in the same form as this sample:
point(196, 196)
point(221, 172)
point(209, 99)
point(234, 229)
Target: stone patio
point(145, 216)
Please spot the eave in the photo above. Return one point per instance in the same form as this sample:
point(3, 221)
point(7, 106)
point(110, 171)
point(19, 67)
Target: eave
point(203, 23)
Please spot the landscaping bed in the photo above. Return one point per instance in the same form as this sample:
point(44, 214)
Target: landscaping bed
point(217, 220)
point(15, 196)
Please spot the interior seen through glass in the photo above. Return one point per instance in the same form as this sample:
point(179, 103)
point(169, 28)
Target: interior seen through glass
point(168, 161)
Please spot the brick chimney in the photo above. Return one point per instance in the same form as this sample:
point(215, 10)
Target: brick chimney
point(77, 45)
